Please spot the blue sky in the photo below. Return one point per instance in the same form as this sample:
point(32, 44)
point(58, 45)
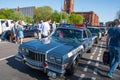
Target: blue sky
point(105, 9)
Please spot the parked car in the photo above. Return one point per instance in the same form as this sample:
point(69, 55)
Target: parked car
point(30, 31)
point(96, 33)
point(57, 54)
point(8, 23)
point(103, 30)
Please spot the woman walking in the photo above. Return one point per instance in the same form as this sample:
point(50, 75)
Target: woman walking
point(20, 32)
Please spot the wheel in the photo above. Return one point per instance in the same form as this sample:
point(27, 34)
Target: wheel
point(89, 51)
point(72, 68)
point(35, 35)
point(96, 41)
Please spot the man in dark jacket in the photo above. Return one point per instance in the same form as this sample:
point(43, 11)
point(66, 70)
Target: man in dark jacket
point(113, 44)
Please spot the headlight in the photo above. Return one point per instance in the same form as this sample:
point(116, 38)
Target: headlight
point(52, 58)
point(58, 60)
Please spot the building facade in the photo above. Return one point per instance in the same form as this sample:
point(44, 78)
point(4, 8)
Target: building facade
point(90, 18)
point(68, 6)
point(26, 11)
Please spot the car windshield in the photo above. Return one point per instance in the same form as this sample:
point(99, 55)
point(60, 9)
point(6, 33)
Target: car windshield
point(103, 28)
point(67, 34)
point(94, 30)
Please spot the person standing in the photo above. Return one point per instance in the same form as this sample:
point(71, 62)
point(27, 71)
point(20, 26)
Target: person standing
point(4, 30)
point(53, 26)
point(20, 32)
point(40, 26)
point(113, 44)
point(12, 31)
point(46, 29)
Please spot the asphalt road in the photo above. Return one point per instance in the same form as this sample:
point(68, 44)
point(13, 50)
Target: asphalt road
point(90, 66)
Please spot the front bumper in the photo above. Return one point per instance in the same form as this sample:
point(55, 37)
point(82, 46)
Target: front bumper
point(49, 72)
point(20, 58)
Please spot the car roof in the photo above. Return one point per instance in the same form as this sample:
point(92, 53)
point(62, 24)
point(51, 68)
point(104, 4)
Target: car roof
point(73, 28)
point(92, 27)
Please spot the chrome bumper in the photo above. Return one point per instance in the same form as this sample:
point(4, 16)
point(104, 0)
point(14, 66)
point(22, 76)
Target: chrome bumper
point(20, 58)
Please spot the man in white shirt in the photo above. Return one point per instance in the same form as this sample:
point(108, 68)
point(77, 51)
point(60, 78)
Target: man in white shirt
point(46, 29)
point(4, 29)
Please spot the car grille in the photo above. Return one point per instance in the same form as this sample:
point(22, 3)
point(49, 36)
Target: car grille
point(36, 56)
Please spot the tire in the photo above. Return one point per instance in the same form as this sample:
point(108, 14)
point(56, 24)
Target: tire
point(35, 35)
point(72, 68)
point(89, 51)
point(96, 41)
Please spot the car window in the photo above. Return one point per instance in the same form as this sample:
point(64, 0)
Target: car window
point(84, 34)
point(88, 33)
point(68, 33)
point(94, 30)
point(32, 28)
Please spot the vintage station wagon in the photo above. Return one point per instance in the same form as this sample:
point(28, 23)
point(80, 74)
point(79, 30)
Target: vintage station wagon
point(57, 54)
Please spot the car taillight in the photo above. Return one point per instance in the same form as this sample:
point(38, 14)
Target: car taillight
point(44, 64)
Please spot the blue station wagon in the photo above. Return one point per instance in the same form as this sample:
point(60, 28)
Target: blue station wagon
point(57, 54)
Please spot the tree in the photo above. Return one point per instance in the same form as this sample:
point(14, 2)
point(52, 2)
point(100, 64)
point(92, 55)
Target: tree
point(11, 14)
point(64, 17)
point(6, 12)
point(2, 17)
point(37, 14)
point(28, 19)
point(75, 19)
point(55, 16)
point(43, 13)
point(17, 16)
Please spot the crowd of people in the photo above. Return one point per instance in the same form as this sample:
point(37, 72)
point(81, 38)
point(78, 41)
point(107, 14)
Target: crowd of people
point(16, 30)
point(45, 28)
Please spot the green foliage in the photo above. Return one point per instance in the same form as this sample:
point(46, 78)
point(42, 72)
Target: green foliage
point(28, 19)
point(55, 16)
point(11, 14)
point(43, 13)
point(17, 16)
point(75, 19)
point(2, 17)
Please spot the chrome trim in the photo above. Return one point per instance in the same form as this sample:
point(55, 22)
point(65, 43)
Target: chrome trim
point(34, 67)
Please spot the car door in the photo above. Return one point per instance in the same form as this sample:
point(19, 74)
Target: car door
point(90, 41)
point(85, 40)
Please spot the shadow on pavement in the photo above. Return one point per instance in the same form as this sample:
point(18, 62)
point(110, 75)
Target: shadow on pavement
point(39, 75)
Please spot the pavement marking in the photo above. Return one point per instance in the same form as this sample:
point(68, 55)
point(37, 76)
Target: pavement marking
point(95, 71)
point(93, 78)
point(91, 57)
point(85, 69)
point(81, 76)
point(98, 58)
point(88, 62)
point(99, 55)
point(6, 57)
point(94, 51)
point(97, 64)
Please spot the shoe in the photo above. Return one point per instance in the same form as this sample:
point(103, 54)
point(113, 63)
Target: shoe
point(110, 76)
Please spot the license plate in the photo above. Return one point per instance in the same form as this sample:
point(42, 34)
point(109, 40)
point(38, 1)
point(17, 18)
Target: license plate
point(51, 74)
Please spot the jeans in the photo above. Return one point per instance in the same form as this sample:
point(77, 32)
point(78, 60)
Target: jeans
point(114, 59)
point(3, 36)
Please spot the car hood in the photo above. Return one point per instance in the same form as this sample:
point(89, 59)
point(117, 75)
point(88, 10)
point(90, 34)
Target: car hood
point(51, 47)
